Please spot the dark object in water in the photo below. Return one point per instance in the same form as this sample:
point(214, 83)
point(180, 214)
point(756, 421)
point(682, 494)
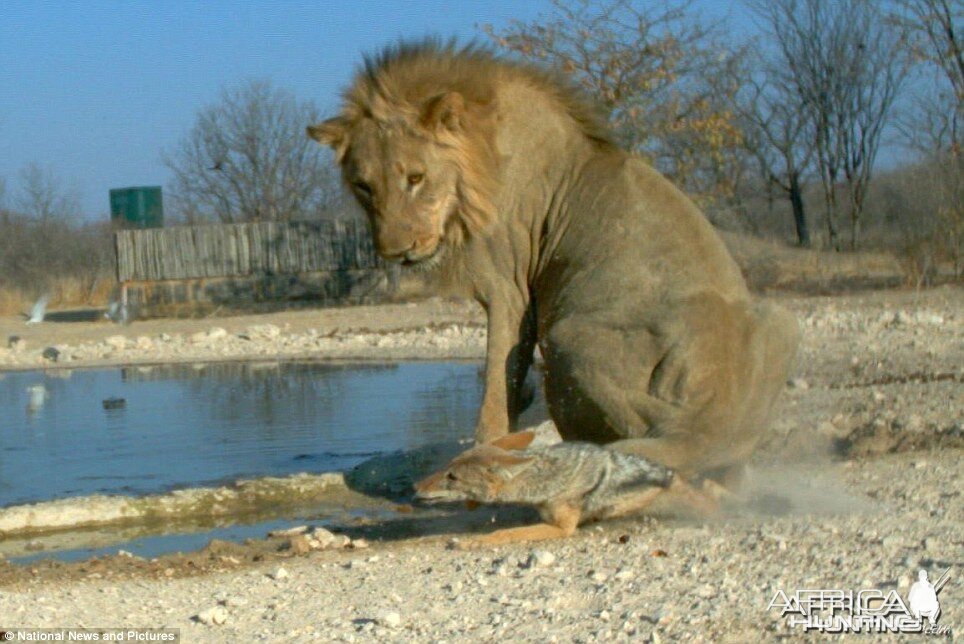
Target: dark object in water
point(114, 403)
point(51, 353)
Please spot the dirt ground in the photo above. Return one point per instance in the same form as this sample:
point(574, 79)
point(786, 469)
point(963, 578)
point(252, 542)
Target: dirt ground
point(857, 486)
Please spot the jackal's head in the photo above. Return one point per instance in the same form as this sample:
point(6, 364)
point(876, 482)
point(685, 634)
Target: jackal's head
point(478, 474)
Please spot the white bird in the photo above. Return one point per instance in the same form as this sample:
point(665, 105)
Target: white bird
point(38, 396)
point(39, 310)
point(118, 312)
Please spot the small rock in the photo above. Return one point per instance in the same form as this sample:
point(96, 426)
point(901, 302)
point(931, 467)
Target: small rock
point(16, 343)
point(235, 602)
point(279, 574)
point(540, 559)
point(299, 545)
point(327, 539)
point(892, 542)
point(51, 353)
point(268, 331)
point(799, 383)
point(215, 615)
point(598, 577)
point(289, 532)
point(706, 591)
point(117, 342)
point(389, 618)
point(935, 546)
point(624, 575)
point(359, 544)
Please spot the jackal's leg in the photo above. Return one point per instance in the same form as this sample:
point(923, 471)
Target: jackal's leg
point(562, 519)
point(537, 532)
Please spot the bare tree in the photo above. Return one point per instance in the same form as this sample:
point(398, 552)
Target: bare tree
point(845, 64)
point(666, 79)
point(42, 196)
point(934, 37)
point(45, 244)
point(247, 159)
point(777, 132)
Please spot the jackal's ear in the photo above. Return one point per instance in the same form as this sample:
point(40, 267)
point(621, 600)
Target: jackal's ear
point(514, 441)
point(507, 466)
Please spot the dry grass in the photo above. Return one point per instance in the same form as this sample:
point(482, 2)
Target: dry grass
point(774, 266)
point(65, 292)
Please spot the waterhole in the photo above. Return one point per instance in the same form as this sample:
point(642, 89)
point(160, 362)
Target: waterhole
point(147, 430)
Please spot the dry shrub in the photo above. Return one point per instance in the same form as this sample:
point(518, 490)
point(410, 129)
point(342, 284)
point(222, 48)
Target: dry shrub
point(73, 264)
point(919, 213)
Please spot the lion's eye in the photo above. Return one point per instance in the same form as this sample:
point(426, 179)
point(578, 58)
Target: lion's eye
point(363, 188)
point(415, 179)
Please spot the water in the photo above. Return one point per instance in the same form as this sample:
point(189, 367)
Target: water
point(190, 425)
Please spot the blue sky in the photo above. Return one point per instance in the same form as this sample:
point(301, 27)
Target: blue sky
point(95, 90)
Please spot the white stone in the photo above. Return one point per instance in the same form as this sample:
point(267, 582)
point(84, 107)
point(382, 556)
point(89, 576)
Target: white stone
point(389, 618)
point(269, 331)
point(540, 559)
point(215, 615)
point(799, 383)
point(117, 342)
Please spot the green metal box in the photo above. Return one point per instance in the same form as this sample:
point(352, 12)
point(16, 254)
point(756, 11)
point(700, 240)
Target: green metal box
point(140, 207)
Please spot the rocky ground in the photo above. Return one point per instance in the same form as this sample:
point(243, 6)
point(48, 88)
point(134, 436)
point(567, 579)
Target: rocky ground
point(858, 486)
point(430, 329)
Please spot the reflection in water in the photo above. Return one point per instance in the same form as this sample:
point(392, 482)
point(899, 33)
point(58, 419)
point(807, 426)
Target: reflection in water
point(185, 425)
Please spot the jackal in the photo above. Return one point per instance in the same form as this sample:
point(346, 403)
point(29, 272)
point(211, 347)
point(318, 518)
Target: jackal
point(569, 483)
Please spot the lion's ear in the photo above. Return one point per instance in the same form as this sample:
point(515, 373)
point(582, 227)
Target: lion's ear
point(333, 132)
point(444, 111)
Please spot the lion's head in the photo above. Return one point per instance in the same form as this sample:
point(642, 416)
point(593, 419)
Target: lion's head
point(418, 155)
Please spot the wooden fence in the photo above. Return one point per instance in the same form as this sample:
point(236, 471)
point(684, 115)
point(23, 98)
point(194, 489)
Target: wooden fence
point(233, 250)
point(334, 261)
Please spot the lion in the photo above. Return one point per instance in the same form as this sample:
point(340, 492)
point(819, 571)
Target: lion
point(504, 181)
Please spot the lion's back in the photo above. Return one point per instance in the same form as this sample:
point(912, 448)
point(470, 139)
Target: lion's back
point(630, 235)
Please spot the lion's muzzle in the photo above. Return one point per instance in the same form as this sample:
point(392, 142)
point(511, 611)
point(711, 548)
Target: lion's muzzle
point(407, 248)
